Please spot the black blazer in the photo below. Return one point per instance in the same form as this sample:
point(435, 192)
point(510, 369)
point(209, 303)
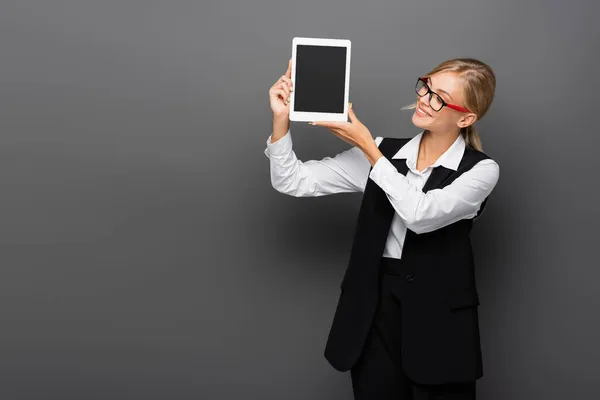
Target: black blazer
point(440, 327)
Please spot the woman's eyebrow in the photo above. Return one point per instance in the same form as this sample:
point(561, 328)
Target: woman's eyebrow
point(441, 90)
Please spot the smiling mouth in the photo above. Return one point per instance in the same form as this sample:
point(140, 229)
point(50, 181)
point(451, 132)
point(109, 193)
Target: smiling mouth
point(422, 112)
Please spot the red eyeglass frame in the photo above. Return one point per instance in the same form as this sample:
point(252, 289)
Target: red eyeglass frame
point(444, 103)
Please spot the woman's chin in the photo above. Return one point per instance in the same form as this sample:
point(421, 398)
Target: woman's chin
point(419, 122)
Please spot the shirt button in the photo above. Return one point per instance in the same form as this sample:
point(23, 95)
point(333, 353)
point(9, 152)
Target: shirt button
point(410, 278)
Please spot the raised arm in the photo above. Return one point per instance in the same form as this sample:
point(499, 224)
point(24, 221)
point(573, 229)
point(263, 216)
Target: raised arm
point(346, 172)
point(426, 212)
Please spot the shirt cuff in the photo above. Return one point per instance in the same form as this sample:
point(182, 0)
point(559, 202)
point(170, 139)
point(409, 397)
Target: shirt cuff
point(280, 147)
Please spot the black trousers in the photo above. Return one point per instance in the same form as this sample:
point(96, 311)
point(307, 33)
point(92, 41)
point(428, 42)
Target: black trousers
point(376, 375)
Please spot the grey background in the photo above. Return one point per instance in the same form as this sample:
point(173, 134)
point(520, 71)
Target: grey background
point(144, 254)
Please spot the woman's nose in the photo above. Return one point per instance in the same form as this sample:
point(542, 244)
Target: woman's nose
point(424, 100)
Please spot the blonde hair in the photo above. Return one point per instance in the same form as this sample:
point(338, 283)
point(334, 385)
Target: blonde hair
point(478, 85)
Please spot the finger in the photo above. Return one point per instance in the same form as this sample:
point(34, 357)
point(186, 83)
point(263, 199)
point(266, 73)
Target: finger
point(288, 81)
point(283, 78)
point(343, 125)
point(285, 87)
point(328, 124)
point(280, 93)
point(351, 114)
point(277, 93)
point(288, 73)
point(274, 90)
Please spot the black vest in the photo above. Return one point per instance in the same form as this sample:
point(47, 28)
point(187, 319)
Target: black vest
point(438, 344)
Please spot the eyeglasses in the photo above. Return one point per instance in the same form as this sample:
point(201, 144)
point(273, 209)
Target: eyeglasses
point(435, 101)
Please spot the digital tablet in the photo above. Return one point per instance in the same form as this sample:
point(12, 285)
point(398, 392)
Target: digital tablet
point(321, 79)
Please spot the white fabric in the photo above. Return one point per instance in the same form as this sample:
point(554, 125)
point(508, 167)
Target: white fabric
point(348, 171)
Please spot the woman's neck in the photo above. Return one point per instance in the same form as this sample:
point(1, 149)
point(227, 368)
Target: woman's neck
point(433, 145)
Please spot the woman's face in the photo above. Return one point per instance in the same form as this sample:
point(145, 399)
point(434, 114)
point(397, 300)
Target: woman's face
point(448, 87)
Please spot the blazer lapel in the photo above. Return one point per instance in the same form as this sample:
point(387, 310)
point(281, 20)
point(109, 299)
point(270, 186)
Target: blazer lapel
point(400, 164)
point(437, 178)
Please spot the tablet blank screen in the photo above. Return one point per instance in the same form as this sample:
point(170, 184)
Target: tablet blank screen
point(320, 79)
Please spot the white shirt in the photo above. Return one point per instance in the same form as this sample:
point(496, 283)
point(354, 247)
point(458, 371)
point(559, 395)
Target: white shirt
point(348, 171)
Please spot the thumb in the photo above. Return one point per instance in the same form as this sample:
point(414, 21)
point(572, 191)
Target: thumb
point(351, 113)
point(288, 73)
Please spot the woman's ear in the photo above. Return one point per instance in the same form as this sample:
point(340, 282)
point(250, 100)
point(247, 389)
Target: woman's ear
point(466, 120)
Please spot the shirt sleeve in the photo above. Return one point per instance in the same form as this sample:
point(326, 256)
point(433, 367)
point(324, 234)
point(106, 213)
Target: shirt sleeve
point(346, 172)
point(426, 212)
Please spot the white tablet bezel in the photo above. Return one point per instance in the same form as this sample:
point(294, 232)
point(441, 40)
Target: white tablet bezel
point(320, 116)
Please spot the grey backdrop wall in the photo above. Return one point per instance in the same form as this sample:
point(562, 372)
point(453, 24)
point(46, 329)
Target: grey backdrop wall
point(145, 255)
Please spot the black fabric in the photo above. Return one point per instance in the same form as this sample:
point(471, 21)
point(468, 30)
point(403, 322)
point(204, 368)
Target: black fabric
point(440, 331)
point(378, 374)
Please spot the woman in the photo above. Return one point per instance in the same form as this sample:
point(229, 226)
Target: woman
point(406, 323)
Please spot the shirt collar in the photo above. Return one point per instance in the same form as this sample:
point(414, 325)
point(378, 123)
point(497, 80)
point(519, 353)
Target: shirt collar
point(450, 158)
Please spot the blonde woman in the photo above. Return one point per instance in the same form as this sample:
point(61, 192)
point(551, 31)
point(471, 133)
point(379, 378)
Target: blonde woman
point(406, 323)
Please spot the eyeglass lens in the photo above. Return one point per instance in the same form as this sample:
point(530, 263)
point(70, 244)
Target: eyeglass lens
point(435, 101)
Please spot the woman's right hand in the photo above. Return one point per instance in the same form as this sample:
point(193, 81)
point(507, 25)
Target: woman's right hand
point(279, 94)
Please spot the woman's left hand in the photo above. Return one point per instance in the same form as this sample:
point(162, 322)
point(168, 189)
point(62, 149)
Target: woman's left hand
point(353, 132)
